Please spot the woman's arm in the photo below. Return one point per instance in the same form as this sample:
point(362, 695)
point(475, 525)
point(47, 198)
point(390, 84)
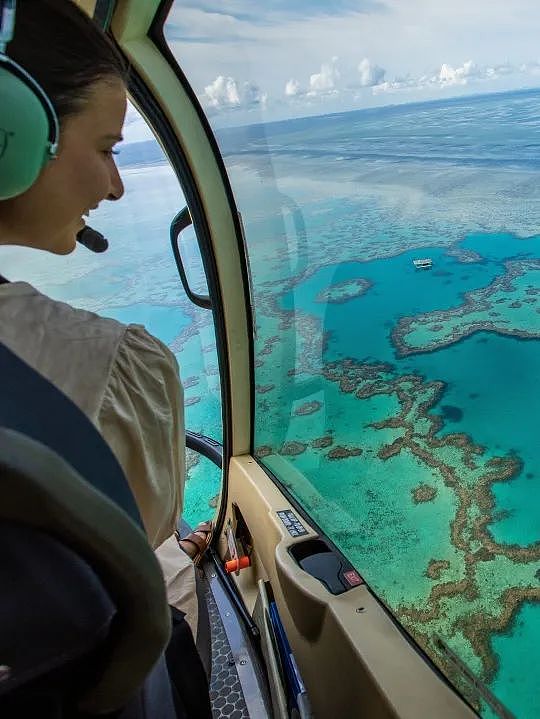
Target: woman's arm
point(142, 419)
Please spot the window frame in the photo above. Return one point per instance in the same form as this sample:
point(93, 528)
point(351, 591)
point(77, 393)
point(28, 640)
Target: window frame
point(138, 29)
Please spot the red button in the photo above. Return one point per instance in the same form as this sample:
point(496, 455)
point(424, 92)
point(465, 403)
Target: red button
point(353, 578)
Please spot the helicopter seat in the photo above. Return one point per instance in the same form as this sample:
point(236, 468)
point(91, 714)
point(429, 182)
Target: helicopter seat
point(84, 619)
point(83, 614)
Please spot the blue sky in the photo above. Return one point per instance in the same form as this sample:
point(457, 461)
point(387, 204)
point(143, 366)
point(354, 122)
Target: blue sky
point(278, 9)
point(252, 61)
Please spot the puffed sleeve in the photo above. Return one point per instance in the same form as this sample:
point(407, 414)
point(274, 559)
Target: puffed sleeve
point(142, 419)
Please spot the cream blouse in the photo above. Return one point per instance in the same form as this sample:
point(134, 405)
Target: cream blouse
point(122, 378)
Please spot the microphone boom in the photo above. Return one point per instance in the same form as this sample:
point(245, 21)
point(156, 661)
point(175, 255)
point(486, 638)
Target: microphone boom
point(92, 239)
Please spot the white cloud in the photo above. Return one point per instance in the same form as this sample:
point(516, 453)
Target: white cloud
point(324, 82)
point(292, 88)
point(469, 73)
point(446, 76)
point(225, 92)
point(459, 76)
point(358, 84)
point(370, 74)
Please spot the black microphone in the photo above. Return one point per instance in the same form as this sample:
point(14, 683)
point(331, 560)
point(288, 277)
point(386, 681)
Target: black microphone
point(92, 239)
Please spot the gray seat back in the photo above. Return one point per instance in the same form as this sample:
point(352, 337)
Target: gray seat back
point(104, 553)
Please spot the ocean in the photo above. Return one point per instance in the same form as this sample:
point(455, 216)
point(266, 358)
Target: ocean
point(400, 407)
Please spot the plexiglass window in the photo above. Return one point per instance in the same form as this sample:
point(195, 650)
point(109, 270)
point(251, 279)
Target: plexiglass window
point(385, 158)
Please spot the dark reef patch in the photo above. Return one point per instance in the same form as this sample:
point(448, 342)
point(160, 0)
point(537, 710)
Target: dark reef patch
point(344, 452)
point(307, 408)
point(293, 448)
point(423, 493)
point(451, 413)
point(321, 442)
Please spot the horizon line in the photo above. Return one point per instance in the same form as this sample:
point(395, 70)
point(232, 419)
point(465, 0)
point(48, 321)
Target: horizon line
point(392, 105)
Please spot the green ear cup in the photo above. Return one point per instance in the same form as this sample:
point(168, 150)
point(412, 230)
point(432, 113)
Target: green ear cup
point(28, 129)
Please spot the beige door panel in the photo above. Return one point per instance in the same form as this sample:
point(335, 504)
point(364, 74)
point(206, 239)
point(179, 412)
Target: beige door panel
point(353, 659)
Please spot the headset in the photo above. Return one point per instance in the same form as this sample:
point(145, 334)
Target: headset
point(29, 128)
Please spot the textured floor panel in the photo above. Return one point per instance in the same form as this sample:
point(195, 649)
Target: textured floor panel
point(225, 690)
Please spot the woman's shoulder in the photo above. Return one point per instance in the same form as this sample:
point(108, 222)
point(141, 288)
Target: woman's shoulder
point(25, 308)
point(79, 349)
point(144, 354)
point(24, 303)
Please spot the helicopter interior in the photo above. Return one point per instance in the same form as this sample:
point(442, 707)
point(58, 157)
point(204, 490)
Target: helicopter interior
point(290, 623)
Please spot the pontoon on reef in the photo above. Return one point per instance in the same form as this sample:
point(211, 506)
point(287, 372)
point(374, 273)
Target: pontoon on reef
point(423, 264)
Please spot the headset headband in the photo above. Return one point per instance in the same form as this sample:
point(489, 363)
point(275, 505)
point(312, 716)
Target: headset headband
point(19, 71)
point(7, 27)
point(7, 23)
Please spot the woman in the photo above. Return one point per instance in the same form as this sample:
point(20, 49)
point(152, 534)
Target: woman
point(124, 379)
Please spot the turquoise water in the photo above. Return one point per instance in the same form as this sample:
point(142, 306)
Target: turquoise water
point(513, 681)
point(505, 420)
point(398, 290)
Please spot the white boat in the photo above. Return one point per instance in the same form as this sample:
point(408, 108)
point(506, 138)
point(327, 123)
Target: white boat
point(423, 264)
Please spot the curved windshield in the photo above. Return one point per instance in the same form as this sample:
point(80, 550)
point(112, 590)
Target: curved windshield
point(385, 158)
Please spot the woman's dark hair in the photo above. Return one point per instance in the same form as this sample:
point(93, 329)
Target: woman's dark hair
point(62, 48)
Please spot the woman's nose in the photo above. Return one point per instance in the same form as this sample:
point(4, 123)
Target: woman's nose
point(117, 186)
